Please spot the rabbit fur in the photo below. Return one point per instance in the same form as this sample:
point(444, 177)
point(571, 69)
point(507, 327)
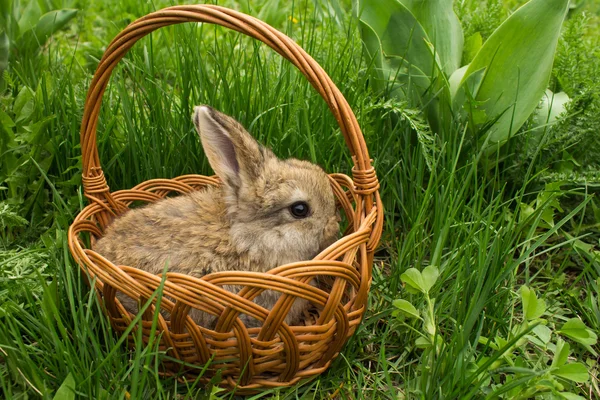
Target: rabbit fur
point(245, 224)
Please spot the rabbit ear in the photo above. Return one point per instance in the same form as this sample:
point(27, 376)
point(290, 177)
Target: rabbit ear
point(232, 152)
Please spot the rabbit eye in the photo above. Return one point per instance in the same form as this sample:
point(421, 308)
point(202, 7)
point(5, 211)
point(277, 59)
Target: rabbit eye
point(299, 209)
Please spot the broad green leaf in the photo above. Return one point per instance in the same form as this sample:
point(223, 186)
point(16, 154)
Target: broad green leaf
point(472, 46)
point(407, 308)
point(456, 79)
point(24, 104)
point(550, 108)
point(52, 22)
point(409, 82)
point(405, 80)
point(392, 35)
point(421, 281)
point(548, 384)
point(460, 90)
point(532, 306)
point(547, 113)
point(561, 354)
point(399, 32)
point(66, 391)
point(430, 275)
point(442, 27)
point(576, 330)
point(429, 325)
point(548, 216)
point(500, 342)
point(5, 120)
point(407, 60)
point(518, 60)
point(214, 393)
point(575, 372)
point(29, 17)
point(372, 44)
point(412, 277)
point(46, 26)
point(543, 333)
point(422, 343)
point(535, 340)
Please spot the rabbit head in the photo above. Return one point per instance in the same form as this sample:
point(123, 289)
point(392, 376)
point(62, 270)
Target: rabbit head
point(280, 211)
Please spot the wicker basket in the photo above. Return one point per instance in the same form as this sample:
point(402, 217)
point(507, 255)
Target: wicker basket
point(275, 354)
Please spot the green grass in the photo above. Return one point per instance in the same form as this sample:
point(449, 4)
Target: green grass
point(489, 231)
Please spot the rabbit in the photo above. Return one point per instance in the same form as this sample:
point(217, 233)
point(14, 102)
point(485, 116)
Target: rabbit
point(267, 212)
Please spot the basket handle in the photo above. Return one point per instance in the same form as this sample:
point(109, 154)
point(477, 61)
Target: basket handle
point(94, 183)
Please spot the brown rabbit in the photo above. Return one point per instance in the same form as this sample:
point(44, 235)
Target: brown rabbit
point(268, 212)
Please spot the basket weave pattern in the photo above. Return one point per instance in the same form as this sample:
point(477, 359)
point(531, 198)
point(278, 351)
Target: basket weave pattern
point(274, 354)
